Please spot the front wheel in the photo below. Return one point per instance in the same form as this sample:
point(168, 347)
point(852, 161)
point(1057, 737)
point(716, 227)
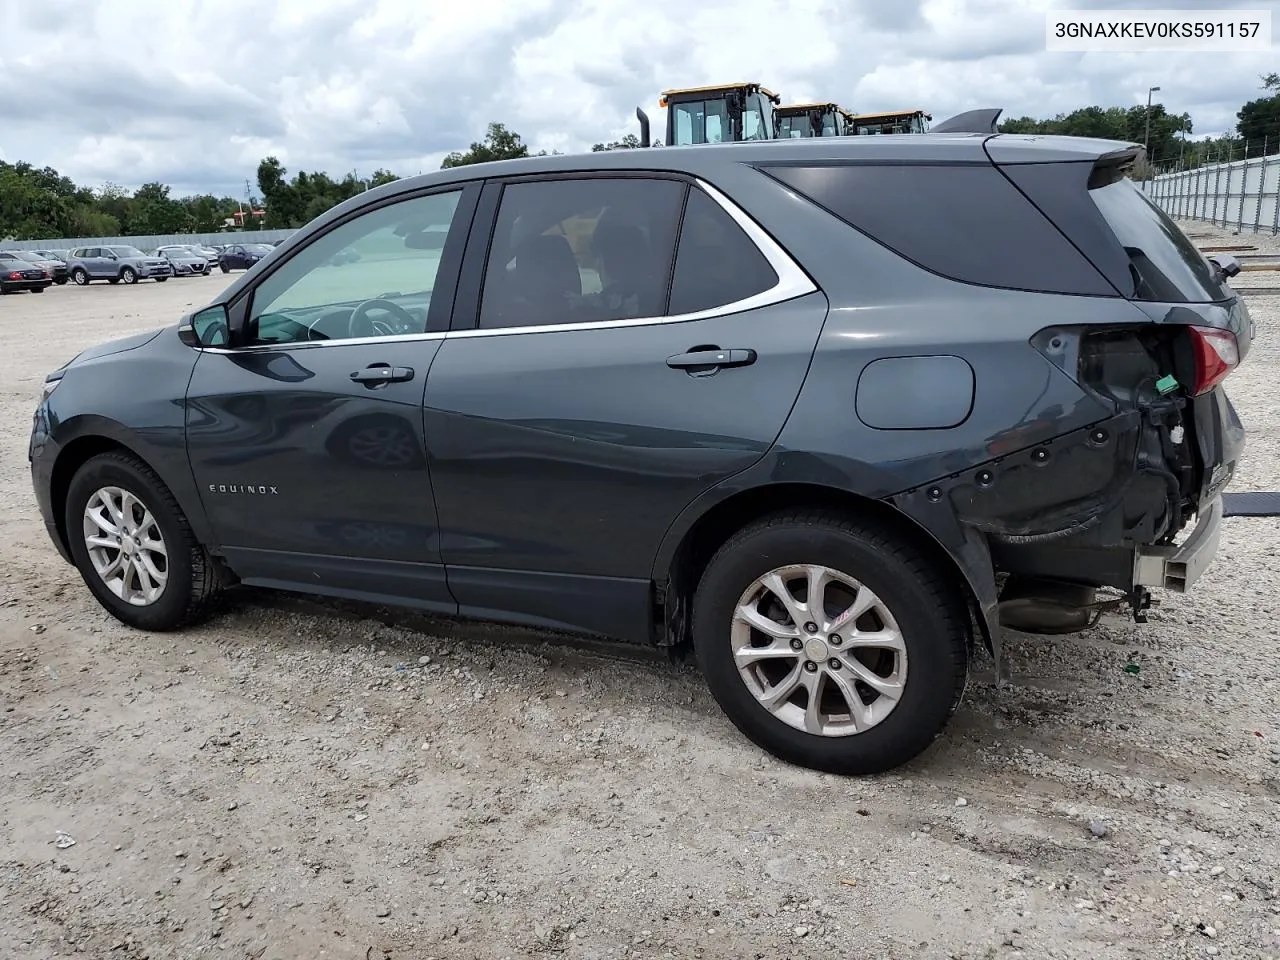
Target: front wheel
point(129, 275)
point(225, 268)
point(134, 547)
point(831, 642)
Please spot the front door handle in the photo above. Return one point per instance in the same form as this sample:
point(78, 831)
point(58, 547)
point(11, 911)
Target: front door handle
point(377, 373)
point(712, 357)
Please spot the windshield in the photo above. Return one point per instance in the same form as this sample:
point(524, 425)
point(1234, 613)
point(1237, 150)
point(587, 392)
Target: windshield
point(1166, 267)
point(126, 251)
point(702, 121)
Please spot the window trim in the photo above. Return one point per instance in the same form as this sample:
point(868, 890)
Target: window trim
point(793, 282)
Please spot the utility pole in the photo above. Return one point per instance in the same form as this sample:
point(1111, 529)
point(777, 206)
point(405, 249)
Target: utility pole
point(1146, 143)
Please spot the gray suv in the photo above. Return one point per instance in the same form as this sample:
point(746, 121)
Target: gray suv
point(826, 412)
point(114, 264)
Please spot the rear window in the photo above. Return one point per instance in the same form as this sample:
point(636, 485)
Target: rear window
point(964, 222)
point(1165, 266)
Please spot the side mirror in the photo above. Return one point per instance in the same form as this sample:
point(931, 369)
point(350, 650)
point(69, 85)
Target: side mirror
point(1228, 264)
point(205, 328)
point(111, 256)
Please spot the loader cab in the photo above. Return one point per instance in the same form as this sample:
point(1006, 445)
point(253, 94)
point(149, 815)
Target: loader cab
point(814, 120)
point(892, 121)
point(726, 113)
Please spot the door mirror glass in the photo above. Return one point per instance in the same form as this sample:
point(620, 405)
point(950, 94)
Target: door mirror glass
point(206, 328)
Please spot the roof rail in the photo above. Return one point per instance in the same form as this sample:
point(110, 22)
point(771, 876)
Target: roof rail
point(971, 121)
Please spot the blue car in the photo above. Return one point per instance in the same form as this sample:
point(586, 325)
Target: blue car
point(242, 256)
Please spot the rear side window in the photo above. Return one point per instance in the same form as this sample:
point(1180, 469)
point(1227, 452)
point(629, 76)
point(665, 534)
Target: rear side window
point(964, 222)
point(587, 250)
point(1165, 266)
point(716, 263)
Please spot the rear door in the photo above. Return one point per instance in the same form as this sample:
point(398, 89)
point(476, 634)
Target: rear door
point(622, 344)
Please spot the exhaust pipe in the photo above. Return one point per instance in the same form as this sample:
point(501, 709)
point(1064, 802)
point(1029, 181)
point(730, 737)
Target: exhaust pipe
point(644, 126)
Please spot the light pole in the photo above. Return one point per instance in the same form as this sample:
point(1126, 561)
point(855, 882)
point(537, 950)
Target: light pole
point(1146, 143)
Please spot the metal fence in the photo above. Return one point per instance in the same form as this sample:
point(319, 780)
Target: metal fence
point(149, 243)
point(1243, 195)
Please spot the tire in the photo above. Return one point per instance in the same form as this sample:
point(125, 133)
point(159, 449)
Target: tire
point(161, 279)
point(191, 579)
point(37, 289)
point(80, 276)
point(933, 634)
point(61, 282)
point(225, 268)
point(204, 272)
point(128, 275)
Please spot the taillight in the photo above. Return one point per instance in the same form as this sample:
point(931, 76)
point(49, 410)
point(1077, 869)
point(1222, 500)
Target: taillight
point(1216, 353)
point(15, 275)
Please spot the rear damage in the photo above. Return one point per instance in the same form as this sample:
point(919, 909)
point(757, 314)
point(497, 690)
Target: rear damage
point(1131, 502)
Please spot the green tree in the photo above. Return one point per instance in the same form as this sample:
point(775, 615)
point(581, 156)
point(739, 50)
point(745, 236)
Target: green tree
point(499, 143)
point(381, 177)
point(629, 142)
point(1258, 121)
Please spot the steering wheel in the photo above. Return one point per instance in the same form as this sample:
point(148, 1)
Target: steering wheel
point(361, 324)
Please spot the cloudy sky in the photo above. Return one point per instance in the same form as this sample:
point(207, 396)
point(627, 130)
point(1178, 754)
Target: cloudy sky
point(195, 92)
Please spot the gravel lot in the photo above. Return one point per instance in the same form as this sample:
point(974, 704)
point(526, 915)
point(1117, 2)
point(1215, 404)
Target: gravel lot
point(292, 781)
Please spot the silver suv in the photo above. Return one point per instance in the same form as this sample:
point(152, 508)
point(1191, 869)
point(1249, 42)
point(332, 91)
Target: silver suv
point(116, 263)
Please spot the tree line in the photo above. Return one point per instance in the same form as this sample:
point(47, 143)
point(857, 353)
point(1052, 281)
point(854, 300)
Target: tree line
point(41, 204)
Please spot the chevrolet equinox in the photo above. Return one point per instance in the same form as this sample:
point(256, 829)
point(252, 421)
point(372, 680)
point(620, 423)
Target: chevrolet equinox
point(822, 410)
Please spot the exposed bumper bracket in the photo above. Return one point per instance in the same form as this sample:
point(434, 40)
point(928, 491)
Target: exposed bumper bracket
point(1176, 566)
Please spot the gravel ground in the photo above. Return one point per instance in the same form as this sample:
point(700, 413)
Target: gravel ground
point(291, 780)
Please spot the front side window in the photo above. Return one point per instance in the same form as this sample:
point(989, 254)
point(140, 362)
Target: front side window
point(581, 251)
point(753, 119)
point(323, 293)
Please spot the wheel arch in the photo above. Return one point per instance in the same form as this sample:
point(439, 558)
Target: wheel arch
point(96, 435)
point(685, 554)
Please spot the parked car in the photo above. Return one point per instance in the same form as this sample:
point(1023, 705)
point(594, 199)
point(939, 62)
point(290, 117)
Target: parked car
point(116, 263)
point(52, 254)
point(242, 256)
point(208, 253)
point(56, 269)
point(184, 261)
point(798, 406)
point(17, 275)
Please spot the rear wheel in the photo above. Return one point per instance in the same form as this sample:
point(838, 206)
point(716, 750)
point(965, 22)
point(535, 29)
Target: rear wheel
point(80, 276)
point(129, 275)
point(37, 289)
point(830, 642)
point(134, 547)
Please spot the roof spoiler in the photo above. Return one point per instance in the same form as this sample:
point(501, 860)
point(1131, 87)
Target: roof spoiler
point(971, 121)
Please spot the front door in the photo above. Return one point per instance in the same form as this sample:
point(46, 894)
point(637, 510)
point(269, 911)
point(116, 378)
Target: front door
point(305, 435)
point(601, 390)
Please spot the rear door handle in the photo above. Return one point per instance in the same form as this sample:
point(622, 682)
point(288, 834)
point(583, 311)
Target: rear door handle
point(712, 358)
point(377, 373)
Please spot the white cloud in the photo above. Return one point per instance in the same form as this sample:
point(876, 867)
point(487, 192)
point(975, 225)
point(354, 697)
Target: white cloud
point(194, 94)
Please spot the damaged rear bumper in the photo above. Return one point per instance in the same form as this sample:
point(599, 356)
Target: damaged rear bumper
point(1177, 566)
